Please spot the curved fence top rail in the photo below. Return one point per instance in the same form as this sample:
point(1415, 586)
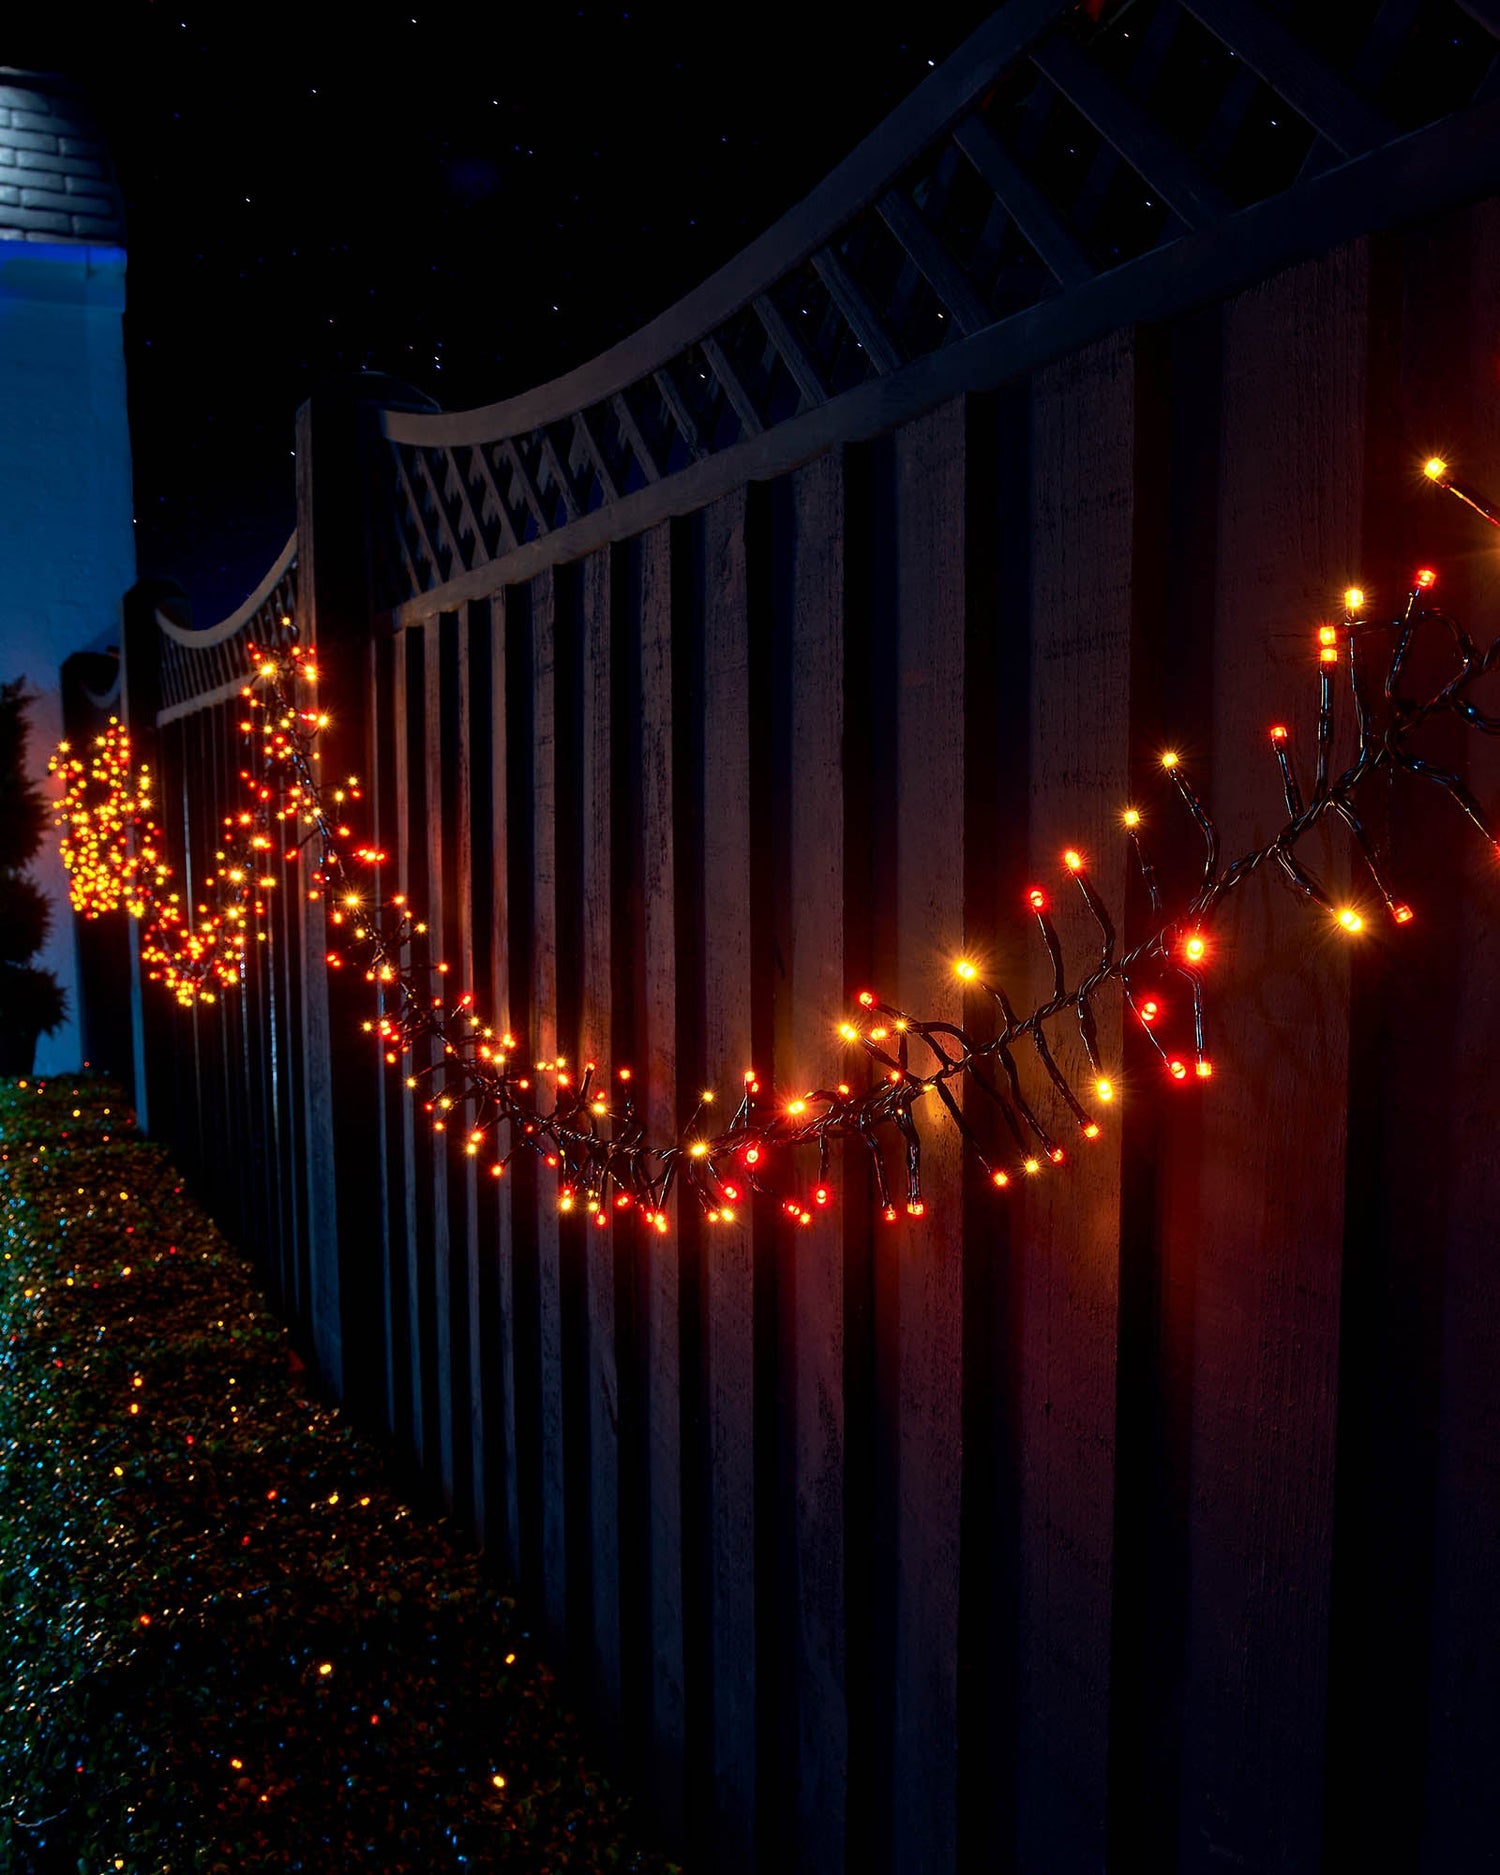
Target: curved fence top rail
point(200, 669)
point(211, 636)
point(1061, 174)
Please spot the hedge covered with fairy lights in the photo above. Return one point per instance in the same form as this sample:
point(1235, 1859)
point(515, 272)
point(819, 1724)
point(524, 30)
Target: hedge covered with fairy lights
point(224, 1641)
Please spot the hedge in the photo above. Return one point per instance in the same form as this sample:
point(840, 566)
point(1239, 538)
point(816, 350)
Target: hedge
point(225, 1643)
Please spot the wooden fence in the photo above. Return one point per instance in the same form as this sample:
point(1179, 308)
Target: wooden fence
point(1144, 1518)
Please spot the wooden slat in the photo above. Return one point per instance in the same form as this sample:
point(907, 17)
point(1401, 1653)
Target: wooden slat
point(404, 1200)
point(1163, 164)
point(1062, 1278)
point(1462, 1732)
point(925, 1288)
point(1152, 46)
point(448, 536)
point(501, 1351)
point(1027, 207)
point(794, 354)
point(1252, 1200)
point(659, 1254)
point(814, 1304)
point(635, 436)
point(479, 455)
point(562, 481)
point(584, 431)
point(676, 404)
point(466, 503)
point(457, 1192)
point(1333, 109)
point(863, 320)
point(597, 1024)
point(937, 266)
point(742, 403)
point(470, 889)
point(728, 1280)
point(544, 782)
point(381, 799)
point(429, 1270)
point(529, 489)
point(418, 517)
point(1417, 1530)
point(428, 869)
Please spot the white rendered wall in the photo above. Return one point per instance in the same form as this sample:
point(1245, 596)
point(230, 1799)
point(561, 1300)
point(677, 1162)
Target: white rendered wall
point(67, 547)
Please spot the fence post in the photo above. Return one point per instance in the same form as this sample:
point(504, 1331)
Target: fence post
point(152, 1054)
point(338, 444)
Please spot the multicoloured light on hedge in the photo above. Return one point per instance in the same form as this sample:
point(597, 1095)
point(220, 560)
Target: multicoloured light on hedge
point(227, 1642)
point(584, 1126)
point(108, 840)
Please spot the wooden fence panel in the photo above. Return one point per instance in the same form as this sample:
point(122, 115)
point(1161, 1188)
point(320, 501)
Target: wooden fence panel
point(1140, 1515)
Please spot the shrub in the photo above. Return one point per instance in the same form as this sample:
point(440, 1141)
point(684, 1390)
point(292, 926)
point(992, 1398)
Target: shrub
point(225, 1643)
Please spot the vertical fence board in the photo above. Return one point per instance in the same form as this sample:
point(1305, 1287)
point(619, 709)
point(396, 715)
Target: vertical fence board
point(450, 788)
point(430, 837)
point(406, 1203)
point(597, 1031)
point(544, 1034)
point(1252, 1333)
point(484, 1363)
point(395, 1107)
point(927, 1286)
point(1460, 1803)
point(658, 1254)
point(1064, 1243)
point(501, 1439)
point(816, 992)
point(728, 1254)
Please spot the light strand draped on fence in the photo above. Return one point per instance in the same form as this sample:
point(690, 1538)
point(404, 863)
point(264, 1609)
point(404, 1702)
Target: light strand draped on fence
point(585, 1125)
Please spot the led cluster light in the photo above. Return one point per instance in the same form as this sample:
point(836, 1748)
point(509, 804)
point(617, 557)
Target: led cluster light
point(107, 837)
point(585, 1127)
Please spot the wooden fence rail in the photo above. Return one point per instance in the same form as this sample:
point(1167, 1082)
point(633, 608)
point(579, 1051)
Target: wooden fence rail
point(1148, 1517)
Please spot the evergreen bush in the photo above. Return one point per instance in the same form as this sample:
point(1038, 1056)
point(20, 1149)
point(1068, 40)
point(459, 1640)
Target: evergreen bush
point(32, 1001)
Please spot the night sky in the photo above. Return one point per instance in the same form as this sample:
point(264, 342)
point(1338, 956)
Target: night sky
point(473, 200)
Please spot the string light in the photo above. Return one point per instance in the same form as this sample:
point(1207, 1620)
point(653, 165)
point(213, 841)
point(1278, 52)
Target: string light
point(108, 840)
point(589, 1130)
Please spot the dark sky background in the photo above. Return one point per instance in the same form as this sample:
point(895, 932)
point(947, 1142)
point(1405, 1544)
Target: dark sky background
point(472, 199)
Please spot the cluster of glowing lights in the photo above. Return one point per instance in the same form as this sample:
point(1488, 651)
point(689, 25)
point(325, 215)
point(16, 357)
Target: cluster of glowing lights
point(585, 1128)
point(199, 952)
point(107, 837)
